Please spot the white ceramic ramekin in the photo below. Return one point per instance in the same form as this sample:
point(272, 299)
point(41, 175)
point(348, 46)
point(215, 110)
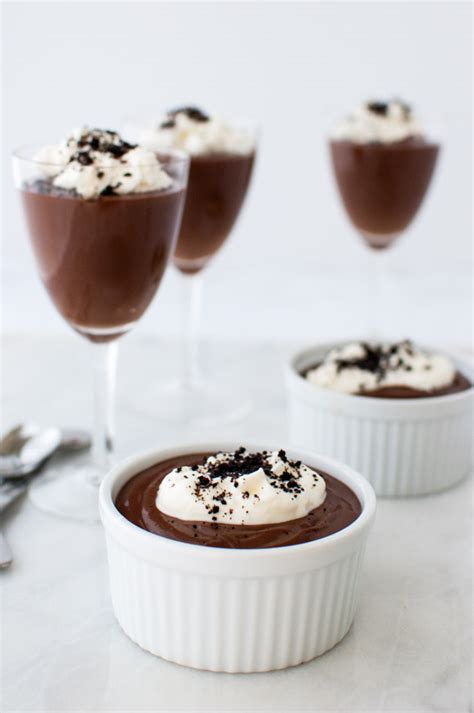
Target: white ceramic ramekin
point(233, 610)
point(402, 446)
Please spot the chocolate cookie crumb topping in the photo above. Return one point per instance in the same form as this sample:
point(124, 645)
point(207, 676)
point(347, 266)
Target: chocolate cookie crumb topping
point(380, 108)
point(192, 112)
point(377, 359)
point(100, 141)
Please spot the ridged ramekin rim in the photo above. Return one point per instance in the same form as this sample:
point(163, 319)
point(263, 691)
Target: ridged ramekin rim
point(112, 518)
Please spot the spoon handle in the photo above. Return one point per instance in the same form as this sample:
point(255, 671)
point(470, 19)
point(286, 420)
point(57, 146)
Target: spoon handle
point(9, 492)
point(6, 557)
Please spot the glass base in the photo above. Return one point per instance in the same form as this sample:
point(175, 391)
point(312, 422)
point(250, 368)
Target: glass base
point(190, 267)
point(103, 334)
point(68, 492)
point(204, 403)
point(379, 242)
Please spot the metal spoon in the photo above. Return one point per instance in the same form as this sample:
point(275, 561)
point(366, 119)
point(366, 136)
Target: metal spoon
point(23, 450)
point(26, 447)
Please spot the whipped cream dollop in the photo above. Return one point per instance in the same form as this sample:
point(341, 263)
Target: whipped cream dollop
point(191, 130)
point(360, 367)
point(242, 488)
point(384, 122)
point(95, 162)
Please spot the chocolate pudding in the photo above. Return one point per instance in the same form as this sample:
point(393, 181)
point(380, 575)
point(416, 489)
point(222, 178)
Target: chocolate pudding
point(383, 165)
point(383, 185)
point(217, 187)
point(136, 501)
point(103, 216)
point(388, 371)
point(459, 383)
point(222, 158)
point(101, 260)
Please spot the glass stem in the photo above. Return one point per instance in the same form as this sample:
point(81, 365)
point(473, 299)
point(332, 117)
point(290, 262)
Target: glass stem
point(376, 293)
point(105, 369)
point(192, 301)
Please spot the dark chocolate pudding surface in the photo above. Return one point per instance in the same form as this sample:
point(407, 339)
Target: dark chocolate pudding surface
point(382, 185)
point(101, 260)
point(459, 383)
point(217, 187)
point(136, 502)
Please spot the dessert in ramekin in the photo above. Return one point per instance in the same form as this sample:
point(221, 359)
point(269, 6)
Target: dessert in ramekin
point(245, 598)
point(400, 415)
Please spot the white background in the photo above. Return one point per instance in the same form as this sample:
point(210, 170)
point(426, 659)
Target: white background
point(294, 268)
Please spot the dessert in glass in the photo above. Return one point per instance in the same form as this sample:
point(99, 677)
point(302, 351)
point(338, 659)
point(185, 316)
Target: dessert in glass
point(103, 216)
point(222, 157)
point(233, 558)
point(398, 412)
point(383, 162)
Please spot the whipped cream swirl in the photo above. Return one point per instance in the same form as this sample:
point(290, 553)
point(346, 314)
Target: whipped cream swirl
point(191, 130)
point(94, 162)
point(242, 488)
point(383, 122)
point(360, 367)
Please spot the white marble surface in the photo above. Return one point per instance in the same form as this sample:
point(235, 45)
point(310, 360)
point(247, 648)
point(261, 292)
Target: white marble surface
point(408, 650)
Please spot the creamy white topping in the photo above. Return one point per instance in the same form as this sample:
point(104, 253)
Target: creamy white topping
point(92, 161)
point(359, 367)
point(194, 132)
point(380, 122)
point(242, 488)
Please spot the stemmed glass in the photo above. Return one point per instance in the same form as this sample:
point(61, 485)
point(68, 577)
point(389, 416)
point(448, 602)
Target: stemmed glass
point(101, 262)
point(382, 186)
point(216, 191)
point(217, 187)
